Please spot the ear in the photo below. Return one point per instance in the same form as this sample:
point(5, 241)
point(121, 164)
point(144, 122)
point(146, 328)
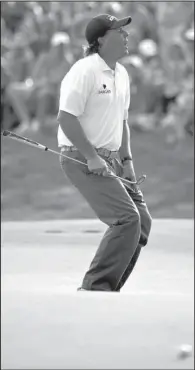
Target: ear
point(101, 40)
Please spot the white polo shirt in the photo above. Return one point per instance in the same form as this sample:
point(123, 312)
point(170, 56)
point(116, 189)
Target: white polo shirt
point(99, 98)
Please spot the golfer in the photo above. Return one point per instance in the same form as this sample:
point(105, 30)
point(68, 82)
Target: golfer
point(93, 128)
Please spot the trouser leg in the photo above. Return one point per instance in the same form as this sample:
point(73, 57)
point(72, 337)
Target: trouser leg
point(112, 204)
point(146, 222)
point(113, 255)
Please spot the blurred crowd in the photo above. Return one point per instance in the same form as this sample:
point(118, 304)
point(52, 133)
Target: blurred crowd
point(41, 40)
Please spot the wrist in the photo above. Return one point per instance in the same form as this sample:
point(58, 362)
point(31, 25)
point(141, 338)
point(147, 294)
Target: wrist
point(127, 158)
point(90, 152)
point(91, 156)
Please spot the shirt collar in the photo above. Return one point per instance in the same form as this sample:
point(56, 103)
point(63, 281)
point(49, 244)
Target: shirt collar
point(103, 65)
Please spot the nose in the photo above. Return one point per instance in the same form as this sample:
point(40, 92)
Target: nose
point(126, 34)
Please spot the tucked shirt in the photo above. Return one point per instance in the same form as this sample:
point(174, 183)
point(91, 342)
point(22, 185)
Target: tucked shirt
point(99, 97)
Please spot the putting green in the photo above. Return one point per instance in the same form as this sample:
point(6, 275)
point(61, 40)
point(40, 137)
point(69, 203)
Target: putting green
point(47, 324)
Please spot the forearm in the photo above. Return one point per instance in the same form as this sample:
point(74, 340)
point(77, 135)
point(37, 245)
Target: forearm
point(125, 149)
point(74, 132)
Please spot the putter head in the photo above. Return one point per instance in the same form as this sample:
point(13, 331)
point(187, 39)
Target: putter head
point(141, 179)
point(137, 182)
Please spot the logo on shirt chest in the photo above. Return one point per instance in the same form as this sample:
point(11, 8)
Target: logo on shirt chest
point(104, 90)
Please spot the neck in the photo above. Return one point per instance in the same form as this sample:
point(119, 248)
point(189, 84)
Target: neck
point(111, 62)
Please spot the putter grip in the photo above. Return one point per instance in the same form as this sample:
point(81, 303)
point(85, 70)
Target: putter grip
point(14, 136)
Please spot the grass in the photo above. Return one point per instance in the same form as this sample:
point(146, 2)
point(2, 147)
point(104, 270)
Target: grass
point(45, 321)
point(33, 186)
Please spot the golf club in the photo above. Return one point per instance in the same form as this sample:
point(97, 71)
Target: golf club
point(35, 144)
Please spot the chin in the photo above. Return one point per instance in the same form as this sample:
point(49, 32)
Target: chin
point(123, 54)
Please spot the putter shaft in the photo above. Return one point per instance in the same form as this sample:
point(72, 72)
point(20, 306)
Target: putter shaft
point(35, 144)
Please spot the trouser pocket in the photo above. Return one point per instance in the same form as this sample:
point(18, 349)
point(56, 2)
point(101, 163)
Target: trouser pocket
point(73, 160)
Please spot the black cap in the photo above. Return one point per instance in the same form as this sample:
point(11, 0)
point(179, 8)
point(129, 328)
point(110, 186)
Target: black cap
point(100, 24)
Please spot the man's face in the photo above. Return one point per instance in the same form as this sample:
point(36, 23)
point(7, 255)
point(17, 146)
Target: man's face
point(116, 43)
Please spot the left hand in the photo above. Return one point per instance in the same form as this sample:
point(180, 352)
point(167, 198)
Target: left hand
point(129, 173)
point(128, 170)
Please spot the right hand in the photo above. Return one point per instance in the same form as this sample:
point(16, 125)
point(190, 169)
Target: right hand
point(98, 166)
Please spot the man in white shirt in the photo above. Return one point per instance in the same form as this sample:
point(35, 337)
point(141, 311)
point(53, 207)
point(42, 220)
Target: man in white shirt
point(93, 128)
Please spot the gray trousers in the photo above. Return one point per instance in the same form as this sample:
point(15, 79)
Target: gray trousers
point(123, 210)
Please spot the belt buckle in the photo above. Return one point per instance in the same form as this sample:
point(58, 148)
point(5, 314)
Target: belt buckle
point(113, 154)
point(107, 152)
point(102, 151)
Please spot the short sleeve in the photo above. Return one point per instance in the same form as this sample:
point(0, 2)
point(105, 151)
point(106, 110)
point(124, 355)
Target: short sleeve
point(75, 89)
point(127, 98)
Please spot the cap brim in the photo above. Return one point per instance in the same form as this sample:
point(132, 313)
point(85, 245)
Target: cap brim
point(122, 22)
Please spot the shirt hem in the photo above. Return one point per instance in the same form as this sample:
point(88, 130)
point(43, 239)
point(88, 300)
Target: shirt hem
point(70, 112)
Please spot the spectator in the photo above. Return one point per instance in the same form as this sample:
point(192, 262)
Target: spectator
point(144, 23)
point(145, 104)
point(180, 115)
point(23, 95)
point(13, 13)
point(161, 37)
point(152, 84)
point(37, 90)
point(57, 64)
point(176, 69)
point(189, 47)
point(19, 59)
